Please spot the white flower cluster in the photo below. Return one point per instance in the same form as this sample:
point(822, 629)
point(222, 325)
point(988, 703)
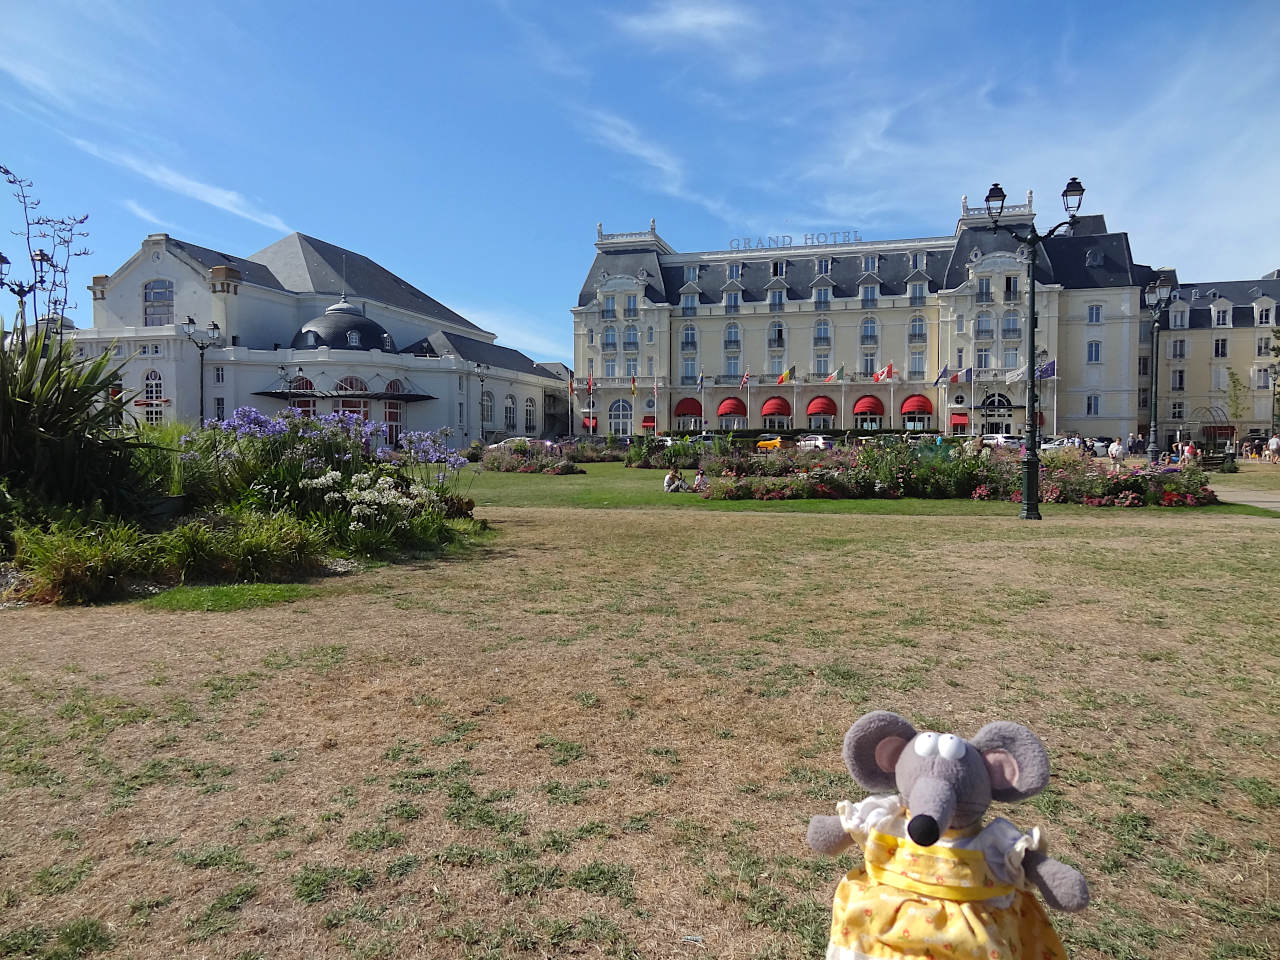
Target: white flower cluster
point(329, 479)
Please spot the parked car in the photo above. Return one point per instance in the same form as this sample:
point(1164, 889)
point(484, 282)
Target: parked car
point(769, 441)
point(1054, 444)
point(515, 442)
point(815, 441)
point(1002, 439)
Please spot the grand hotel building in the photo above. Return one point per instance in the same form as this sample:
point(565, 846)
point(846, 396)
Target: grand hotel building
point(672, 341)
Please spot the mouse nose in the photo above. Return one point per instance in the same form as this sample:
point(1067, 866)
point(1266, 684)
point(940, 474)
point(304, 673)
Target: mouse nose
point(923, 829)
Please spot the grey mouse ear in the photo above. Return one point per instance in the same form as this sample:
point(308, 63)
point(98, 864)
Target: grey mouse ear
point(872, 747)
point(1016, 760)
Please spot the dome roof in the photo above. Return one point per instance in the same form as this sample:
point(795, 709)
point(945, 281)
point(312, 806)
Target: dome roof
point(343, 327)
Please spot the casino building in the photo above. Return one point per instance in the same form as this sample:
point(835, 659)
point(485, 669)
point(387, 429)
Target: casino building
point(305, 323)
point(911, 335)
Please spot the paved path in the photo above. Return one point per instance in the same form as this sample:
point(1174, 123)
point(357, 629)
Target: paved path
point(1270, 499)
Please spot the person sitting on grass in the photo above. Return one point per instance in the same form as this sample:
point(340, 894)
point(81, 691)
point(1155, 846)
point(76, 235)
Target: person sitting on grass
point(674, 482)
point(700, 482)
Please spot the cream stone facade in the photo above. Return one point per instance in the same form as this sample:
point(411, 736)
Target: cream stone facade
point(677, 342)
point(295, 331)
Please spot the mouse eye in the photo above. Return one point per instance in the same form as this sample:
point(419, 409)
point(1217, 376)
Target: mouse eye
point(926, 744)
point(951, 746)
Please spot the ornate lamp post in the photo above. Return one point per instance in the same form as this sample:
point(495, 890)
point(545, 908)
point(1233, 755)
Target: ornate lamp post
point(203, 340)
point(481, 370)
point(1274, 370)
point(39, 261)
point(1071, 197)
point(1157, 297)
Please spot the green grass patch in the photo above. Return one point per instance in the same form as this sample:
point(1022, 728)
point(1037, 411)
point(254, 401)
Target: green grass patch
point(227, 599)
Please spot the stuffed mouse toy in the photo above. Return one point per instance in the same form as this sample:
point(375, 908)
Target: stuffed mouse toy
point(935, 882)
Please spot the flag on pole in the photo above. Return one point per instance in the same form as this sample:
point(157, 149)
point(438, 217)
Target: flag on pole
point(633, 388)
point(655, 392)
point(745, 377)
point(1016, 374)
point(884, 373)
point(943, 376)
point(964, 376)
point(1049, 370)
point(700, 379)
point(788, 375)
point(837, 376)
point(588, 384)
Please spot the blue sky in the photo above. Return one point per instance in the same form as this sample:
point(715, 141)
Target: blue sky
point(472, 147)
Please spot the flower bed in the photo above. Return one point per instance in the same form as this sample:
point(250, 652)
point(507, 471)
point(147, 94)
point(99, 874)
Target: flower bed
point(891, 470)
point(529, 461)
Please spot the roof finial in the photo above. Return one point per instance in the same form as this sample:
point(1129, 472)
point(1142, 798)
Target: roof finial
point(344, 276)
point(653, 224)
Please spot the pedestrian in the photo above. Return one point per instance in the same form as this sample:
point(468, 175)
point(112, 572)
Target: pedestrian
point(1273, 447)
point(1116, 450)
point(1133, 444)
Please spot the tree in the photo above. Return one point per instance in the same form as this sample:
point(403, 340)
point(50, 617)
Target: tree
point(1237, 398)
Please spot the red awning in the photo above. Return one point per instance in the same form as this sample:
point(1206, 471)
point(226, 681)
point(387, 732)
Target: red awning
point(688, 407)
point(649, 422)
point(959, 419)
point(822, 407)
point(590, 422)
point(775, 407)
point(731, 407)
point(869, 405)
point(917, 404)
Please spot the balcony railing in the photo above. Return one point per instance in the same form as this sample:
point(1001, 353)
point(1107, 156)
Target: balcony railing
point(821, 341)
point(774, 343)
point(631, 346)
point(1012, 296)
point(608, 314)
point(731, 308)
point(822, 304)
point(917, 300)
point(609, 346)
point(917, 338)
point(728, 378)
point(688, 311)
point(734, 344)
point(631, 313)
point(689, 346)
point(915, 374)
point(1010, 333)
point(688, 381)
point(984, 333)
point(870, 339)
point(869, 303)
point(776, 306)
point(986, 296)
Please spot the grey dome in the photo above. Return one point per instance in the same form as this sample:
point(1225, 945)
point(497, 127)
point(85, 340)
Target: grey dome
point(335, 326)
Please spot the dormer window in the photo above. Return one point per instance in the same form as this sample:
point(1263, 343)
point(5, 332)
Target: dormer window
point(778, 268)
point(1222, 318)
point(917, 261)
point(869, 263)
point(1093, 257)
point(353, 338)
point(609, 310)
point(824, 266)
point(821, 298)
point(1178, 320)
point(735, 271)
point(690, 274)
point(1264, 316)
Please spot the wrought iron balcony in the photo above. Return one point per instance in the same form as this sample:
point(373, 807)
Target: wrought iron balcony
point(731, 308)
point(915, 374)
point(734, 344)
point(688, 381)
point(689, 346)
point(917, 301)
point(1012, 296)
point(984, 333)
point(631, 313)
point(608, 314)
point(870, 339)
point(732, 379)
point(631, 346)
point(821, 341)
point(869, 303)
point(776, 306)
point(986, 296)
point(917, 338)
point(1010, 333)
point(822, 304)
point(609, 346)
point(774, 343)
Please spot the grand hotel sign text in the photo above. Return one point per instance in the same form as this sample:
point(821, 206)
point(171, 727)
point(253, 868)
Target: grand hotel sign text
point(786, 240)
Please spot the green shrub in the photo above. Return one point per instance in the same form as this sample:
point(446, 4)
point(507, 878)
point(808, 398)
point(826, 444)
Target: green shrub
point(76, 563)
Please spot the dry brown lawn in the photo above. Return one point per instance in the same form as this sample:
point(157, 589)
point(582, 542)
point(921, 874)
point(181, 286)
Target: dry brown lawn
point(602, 733)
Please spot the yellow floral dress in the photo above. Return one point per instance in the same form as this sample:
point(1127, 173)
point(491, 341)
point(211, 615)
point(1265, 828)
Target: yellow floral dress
point(964, 898)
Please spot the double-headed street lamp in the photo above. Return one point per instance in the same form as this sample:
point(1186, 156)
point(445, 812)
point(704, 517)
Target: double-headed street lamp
point(1157, 296)
point(1071, 197)
point(481, 370)
point(203, 340)
point(288, 384)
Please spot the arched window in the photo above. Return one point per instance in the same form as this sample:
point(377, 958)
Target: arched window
point(822, 333)
point(357, 405)
point(304, 405)
point(1093, 352)
point(509, 413)
point(152, 385)
point(530, 416)
point(688, 337)
point(486, 407)
point(620, 418)
point(393, 413)
point(916, 330)
point(631, 337)
point(869, 330)
point(732, 337)
point(157, 303)
point(609, 338)
point(353, 338)
point(775, 335)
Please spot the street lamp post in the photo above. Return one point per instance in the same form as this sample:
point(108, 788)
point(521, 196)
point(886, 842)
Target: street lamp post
point(481, 370)
point(1274, 370)
point(1157, 297)
point(1071, 197)
point(39, 261)
point(203, 340)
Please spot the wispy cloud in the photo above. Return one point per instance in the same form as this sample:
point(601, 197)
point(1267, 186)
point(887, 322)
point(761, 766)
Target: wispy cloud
point(731, 32)
point(522, 332)
point(545, 52)
point(142, 213)
point(229, 201)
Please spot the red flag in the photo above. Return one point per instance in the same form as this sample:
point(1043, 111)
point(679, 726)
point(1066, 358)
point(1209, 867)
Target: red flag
point(745, 377)
point(588, 384)
point(884, 373)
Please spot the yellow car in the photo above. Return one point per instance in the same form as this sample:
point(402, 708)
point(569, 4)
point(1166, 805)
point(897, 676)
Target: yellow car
point(769, 441)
